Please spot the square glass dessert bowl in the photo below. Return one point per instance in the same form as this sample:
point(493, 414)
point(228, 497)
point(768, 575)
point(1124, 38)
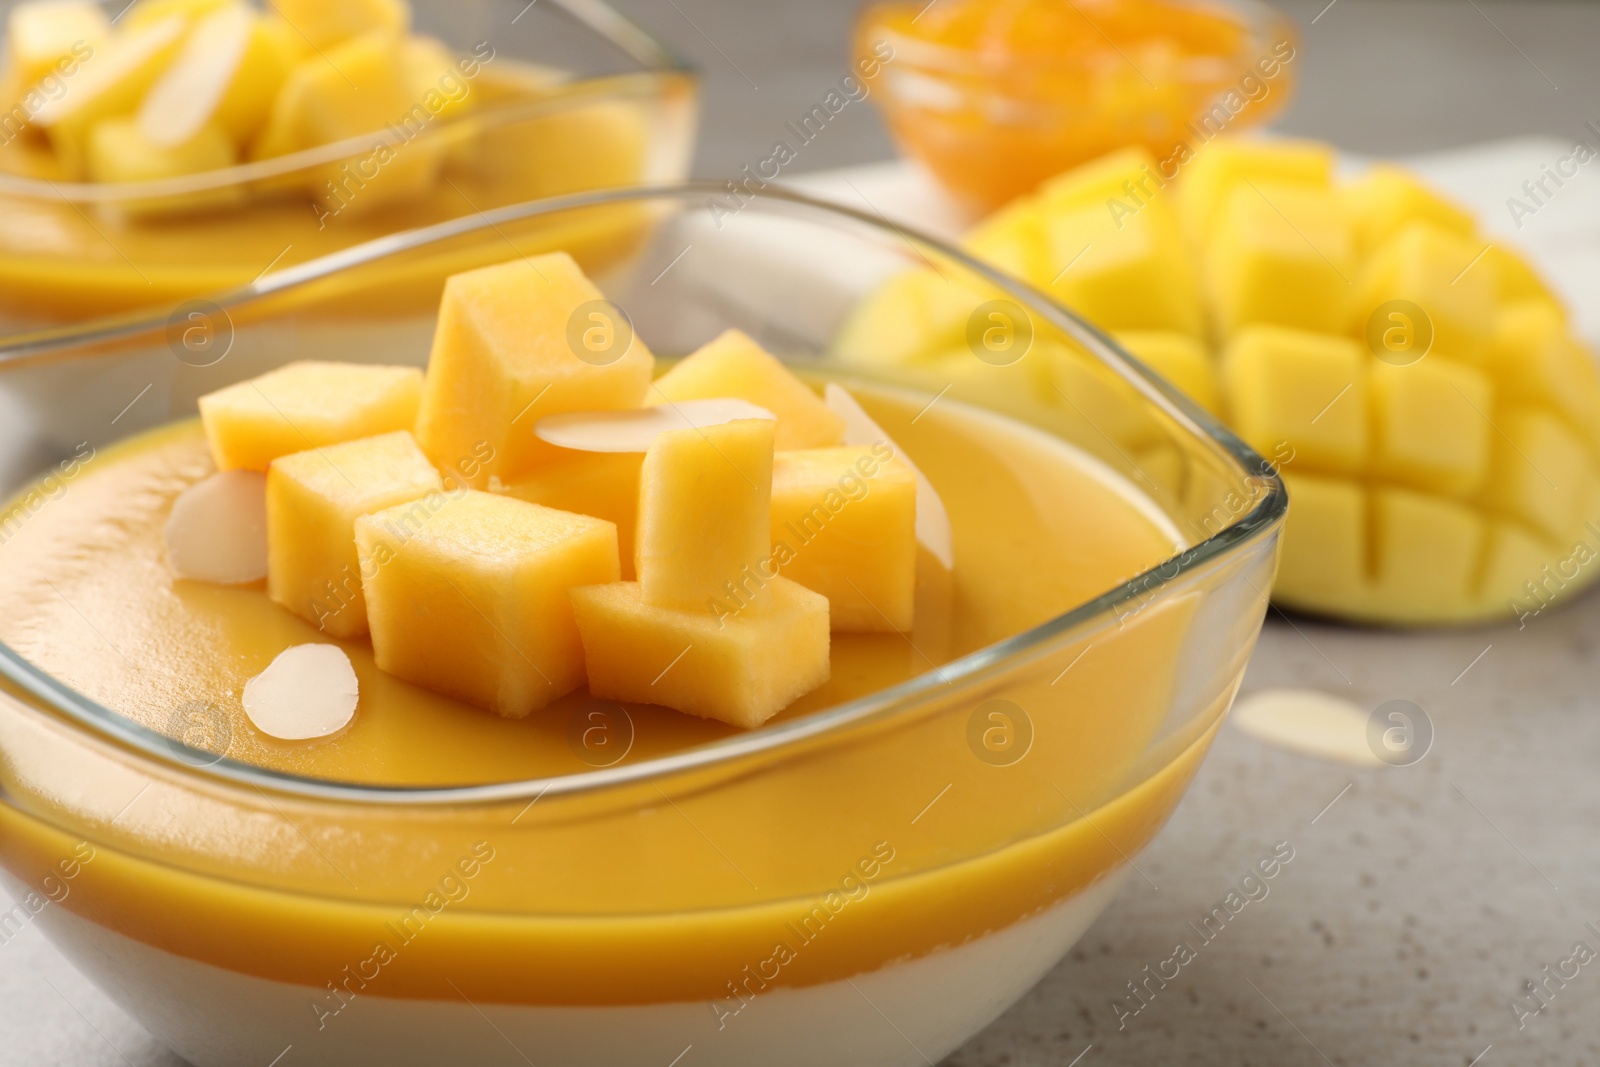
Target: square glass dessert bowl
point(460, 108)
point(902, 852)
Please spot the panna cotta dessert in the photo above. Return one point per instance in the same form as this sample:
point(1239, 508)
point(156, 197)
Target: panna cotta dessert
point(550, 705)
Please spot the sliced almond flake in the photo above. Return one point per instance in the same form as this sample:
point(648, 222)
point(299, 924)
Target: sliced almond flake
point(636, 429)
point(186, 97)
point(1308, 722)
point(933, 522)
point(308, 691)
point(217, 531)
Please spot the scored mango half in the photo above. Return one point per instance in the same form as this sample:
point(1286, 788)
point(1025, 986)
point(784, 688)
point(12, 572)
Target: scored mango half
point(1417, 384)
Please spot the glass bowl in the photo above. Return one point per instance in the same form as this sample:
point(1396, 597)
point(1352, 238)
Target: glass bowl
point(992, 125)
point(899, 868)
point(570, 96)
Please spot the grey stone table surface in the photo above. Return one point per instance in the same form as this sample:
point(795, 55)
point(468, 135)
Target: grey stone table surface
point(1419, 899)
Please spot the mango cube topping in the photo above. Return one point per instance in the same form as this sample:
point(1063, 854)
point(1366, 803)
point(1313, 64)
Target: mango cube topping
point(742, 557)
point(705, 500)
point(306, 405)
point(742, 671)
point(844, 525)
point(1435, 417)
point(226, 76)
point(313, 501)
point(467, 595)
point(733, 365)
point(513, 345)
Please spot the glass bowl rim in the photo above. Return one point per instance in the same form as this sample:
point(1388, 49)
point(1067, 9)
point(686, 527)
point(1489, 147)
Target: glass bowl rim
point(1269, 506)
point(658, 65)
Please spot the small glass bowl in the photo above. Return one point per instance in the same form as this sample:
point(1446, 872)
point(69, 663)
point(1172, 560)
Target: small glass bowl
point(570, 96)
point(992, 126)
point(867, 884)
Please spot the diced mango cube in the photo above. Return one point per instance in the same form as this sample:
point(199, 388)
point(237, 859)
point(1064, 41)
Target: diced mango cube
point(42, 33)
point(501, 361)
point(1430, 426)
point(1515, 568)
point(1515, 278)
point(1324, 539)
point(1281, 254)
point(733, 365)
point(1387, 199)
point(471, 599)
point(148, 12)
point(1434, 269)
point(1180, 359)
point(360, 86)
point(912, 315)
point(1126, 175)
point(227, 75)
point(1305, 390)
point(120, 152)
point(602, 484)
point(306, 405)
point(705, 506)
point(1539, 471)
point(1123, 273)
point(436, 82)
point(1427, 548)
point(1091, 393)
point(844, 525)
point(325, 23)
point(1535, 360)
point(742, 669)
point(1013, 240)
point(313, 501)
point(110, 85)
point(1226, 164)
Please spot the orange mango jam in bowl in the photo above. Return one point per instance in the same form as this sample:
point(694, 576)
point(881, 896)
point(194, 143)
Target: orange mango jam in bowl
point(995, 96)
point(186, 147)
point(610, 672)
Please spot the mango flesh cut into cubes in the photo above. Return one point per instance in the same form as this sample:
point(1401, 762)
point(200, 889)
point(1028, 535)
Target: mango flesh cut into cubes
point(467, 595)
point(110, 85)
point(436, 83)
point(602, 484)
point(313, 501)
point(306, 405)
point(227, 75)
point(1281, 255)
point(1439, 272)
point(119, 151)
point(506, 353)
point(1222, 166)
point(325, 23)
point(1180, 359)
point(705, 504)
point(742, 669)
point(1437, 422)
point(41, 33)
point(1428, 425)
point(360, 86)
point(1387, 199)
point(733, 365)
point(147, 12)
point(1306, 390)
point(1540, 472)
point(911, 316)
point(844, 525)
point(1123, 273)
